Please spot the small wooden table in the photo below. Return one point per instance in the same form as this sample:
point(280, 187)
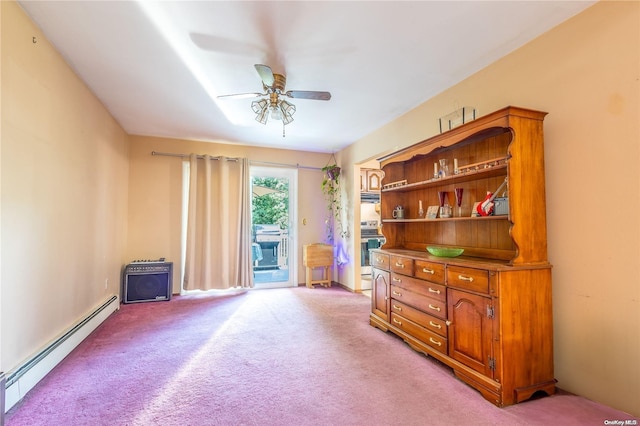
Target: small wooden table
point(318, 256)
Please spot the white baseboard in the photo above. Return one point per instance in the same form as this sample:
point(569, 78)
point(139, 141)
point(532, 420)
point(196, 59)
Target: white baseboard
point(24, 378)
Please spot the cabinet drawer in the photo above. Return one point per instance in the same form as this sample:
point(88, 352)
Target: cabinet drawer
point(434, 307)
point(437, 325)
point(428, 289)
point(402, 265)
point(436, 341)
point(430, 271)
point(468, 278)
point(379, 260)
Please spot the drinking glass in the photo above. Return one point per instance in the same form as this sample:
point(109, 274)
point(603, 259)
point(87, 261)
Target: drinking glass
point(459, 200)
point(444, 169)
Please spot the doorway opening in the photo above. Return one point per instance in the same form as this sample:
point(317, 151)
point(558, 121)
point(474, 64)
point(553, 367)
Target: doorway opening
point(273, 213)
point(369, 221)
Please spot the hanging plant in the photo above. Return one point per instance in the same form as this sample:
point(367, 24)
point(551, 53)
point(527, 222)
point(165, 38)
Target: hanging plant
point(331, 191)
point(332, 172)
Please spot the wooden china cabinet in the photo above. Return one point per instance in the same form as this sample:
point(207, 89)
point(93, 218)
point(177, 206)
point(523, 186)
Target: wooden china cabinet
point(487, 313)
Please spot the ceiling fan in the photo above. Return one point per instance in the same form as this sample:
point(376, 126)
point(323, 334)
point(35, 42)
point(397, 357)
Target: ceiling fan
point(274, 90)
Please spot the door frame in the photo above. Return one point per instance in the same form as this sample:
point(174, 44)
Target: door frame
point(291, 174)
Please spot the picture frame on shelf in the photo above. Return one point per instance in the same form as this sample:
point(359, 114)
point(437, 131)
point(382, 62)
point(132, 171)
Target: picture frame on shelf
point(432, 212)
point(457, 118)
point(474, 210)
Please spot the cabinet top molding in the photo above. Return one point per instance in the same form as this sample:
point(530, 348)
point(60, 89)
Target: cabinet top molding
point(499, 121)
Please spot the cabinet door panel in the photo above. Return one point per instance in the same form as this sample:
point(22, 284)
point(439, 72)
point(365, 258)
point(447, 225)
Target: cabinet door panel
point(470, 330)
point(380, 294)
point(374, 180)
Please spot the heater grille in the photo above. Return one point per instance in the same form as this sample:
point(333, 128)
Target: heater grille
point(3, 387)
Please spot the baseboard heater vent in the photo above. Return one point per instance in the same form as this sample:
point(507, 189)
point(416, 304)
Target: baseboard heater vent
point(3, 387)
point(25, 377)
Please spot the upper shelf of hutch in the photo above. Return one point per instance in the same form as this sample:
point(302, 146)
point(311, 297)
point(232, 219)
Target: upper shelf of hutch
point(506, 143)
point(481, 128)
point(492, 171)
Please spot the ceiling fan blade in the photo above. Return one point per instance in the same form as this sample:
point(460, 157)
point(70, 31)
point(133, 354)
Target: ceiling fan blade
point(243, 95)
point(265, 74)
point(309, 94)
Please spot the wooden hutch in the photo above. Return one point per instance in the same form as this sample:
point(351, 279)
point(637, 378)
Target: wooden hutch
point(487, 314)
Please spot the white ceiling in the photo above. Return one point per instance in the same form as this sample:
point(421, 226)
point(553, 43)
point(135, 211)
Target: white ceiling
point(158, 66)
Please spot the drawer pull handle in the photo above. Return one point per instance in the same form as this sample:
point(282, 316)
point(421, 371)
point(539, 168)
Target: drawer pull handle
point(400, 265)
point(397, 322)
point(398, 280)
point(465, 278)
point(395, 293)
point(433, 324)
point(435, 308)
point(434, 291)
point(379, 259)
point(428, 271)
point(397, 308)
point(435, 342)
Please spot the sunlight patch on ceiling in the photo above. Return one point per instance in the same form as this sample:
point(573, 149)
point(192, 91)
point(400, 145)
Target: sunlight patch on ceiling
point(183, 47)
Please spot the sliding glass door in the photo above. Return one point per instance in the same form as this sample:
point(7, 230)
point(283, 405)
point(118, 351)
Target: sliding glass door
point(273, 219)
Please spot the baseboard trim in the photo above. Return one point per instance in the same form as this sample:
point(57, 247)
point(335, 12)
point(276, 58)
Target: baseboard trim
point(26, 376)
point(337, 284)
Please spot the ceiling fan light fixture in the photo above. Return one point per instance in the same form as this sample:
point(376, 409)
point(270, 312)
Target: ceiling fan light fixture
point(276, 113)
point(287, 110)
point(261, 117)
point(274, 87)
point(261, 110)
point(259, 106)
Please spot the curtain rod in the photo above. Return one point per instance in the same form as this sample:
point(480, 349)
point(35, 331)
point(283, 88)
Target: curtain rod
point(296, 166)
point(170, 154)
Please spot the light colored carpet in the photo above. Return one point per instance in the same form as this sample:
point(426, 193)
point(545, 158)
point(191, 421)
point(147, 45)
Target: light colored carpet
point(269, 357)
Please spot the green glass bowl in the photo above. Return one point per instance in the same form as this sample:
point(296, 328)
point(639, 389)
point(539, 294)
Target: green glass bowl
point(445, 251)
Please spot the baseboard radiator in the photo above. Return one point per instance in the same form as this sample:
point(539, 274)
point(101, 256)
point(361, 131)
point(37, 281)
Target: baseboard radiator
point(3, 386)
point(26, 376)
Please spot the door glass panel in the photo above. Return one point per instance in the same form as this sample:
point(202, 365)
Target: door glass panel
point(272, 233)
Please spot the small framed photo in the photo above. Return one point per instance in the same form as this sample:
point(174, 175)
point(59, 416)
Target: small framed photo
point(432, 212)
point(474, 211)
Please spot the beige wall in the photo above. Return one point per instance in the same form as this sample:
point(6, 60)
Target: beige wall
point(64, 175)
point(155, 195)
point(586, 74)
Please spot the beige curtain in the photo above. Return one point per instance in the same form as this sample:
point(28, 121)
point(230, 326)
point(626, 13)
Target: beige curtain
point(218, 251)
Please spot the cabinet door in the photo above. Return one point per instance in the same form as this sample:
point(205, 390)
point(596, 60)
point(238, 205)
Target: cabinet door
point(374, 180)
point(470, 330)
point(380, 294)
